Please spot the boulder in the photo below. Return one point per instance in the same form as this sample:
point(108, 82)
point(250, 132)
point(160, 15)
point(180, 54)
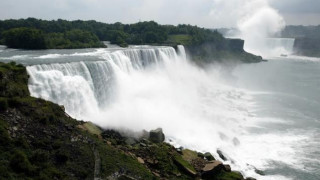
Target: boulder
point(221, 155)
point(250, 178)
point(212, 169)
point(144, 134)
point(130, 141)
point(260, 172)
point(179, 150)
point(200, 155)
point(156, 136)
point(140, 160)
point(227, 168)
point(209, 156)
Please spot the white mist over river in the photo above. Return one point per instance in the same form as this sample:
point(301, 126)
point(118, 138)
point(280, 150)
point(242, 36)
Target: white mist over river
point(264, 115)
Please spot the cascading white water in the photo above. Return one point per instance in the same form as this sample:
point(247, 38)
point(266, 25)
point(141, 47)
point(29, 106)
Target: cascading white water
point(85, 87)
point(150, 87)
point(182, 52)
point(284, 45)
point(270, 47)
point(146, 88)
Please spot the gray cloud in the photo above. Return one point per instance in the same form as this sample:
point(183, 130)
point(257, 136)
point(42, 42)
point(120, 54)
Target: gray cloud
point(196, 12)
point(297, 6)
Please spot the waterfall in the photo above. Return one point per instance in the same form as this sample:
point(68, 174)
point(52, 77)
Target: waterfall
point(270, 47)
point(284, 44)
point(87, 86)
point(143, 88)
point(182, 52)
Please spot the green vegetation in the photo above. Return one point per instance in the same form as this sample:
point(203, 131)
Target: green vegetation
point(189, 155)
point(180, 39)
point(122, 34)
point(223, 175)
point(180, 160)
point(25, 38)
point(30, 38)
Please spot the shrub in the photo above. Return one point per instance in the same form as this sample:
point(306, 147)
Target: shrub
point(20, 163)
point(3, 104)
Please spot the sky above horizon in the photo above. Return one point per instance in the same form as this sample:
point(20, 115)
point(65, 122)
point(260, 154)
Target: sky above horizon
point(204, 13)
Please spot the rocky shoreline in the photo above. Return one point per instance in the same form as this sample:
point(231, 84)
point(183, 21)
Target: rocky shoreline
point(195, 165)
point(40, 141)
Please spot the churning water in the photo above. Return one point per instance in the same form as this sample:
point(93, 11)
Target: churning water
point(263, 115)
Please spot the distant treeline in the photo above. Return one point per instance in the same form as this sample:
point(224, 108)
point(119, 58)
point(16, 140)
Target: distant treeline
point(31, 38)
point(72, 34)
point(301, 32)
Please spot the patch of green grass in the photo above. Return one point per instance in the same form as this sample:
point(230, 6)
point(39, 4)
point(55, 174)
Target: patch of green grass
point(182, 39)
point(91, 128)
point(189, 155)
point(113, 161)
point(183, 162)
point(229, 176)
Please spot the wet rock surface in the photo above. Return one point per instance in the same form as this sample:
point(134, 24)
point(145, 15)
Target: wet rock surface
point(156, 136)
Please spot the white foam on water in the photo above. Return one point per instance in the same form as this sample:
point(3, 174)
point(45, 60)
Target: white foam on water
point(17, 57)
point(50, 56)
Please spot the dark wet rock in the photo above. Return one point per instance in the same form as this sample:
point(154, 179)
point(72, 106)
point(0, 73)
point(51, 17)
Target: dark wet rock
point(221, 155)
point(145, 141)
point(156, 136)
point(211, 169)
point(198, 164)
point(209, 156)
point(260, 172)
point(227, 168)
point(179, 149)
point(144, 134)
point(250, 178)
point(113, 136)
point(200, 155)
point(130, 141)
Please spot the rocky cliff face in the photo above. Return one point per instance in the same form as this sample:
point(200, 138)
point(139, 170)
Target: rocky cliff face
point(230, 50)
point(38, 140)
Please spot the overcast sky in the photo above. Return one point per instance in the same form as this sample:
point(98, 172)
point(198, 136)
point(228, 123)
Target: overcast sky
point(204, 13)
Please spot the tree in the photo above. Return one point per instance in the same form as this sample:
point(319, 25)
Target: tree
point(25, 38)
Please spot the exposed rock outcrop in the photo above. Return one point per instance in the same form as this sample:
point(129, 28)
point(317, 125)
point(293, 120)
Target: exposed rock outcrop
point(156, 136)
